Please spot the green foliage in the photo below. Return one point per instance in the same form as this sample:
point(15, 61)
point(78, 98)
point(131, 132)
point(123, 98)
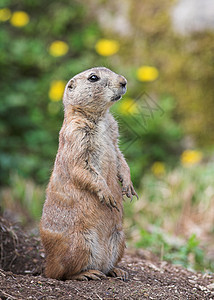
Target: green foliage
point(171, 209)
point(188, 254)
point(174, 198)
point(24, 198)
point(29, 123)
point(184, 63)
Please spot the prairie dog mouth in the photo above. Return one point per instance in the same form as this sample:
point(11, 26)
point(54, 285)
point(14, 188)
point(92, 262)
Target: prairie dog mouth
point(116, 98)
point(119, 95)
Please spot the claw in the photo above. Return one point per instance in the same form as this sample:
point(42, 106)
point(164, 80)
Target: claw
point(114, 204)
point(109, 205)
point(129, 192)
point(119, 273)
point(124, 189)
point(93, 276)
point(120, 178)
point(90, 274)
point(134, 193)
point(117, 208)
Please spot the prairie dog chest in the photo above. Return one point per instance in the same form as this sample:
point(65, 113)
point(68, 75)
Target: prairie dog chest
point(103, 147)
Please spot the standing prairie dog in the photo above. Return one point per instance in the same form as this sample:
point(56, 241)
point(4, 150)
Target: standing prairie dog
point(81, 225)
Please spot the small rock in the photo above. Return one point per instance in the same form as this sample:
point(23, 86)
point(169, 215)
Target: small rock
point(210, 286)
point(192, 281)
point(136, 278)
point(154, 267)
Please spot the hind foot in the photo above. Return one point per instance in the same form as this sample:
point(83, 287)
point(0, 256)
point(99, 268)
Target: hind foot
point(119, 273)
point(90, 274)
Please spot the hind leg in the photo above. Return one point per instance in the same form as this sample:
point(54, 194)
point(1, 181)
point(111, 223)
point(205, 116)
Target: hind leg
point(89, 274)
point(118, 246)
point(119, 273)
point(65, 256)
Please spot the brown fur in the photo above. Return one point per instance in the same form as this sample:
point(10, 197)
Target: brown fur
point(81, 225)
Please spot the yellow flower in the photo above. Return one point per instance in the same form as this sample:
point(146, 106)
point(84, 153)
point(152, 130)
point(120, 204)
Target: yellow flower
point(58, 48)
point(128, 106)
point(56, 90)
point(106, 47)
point(147, 73)
point(19, 19)
point(158, 168)
point(191, 157)
point(5, 14)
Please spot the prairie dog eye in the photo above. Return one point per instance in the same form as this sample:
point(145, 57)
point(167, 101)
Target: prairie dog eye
point(93, 78)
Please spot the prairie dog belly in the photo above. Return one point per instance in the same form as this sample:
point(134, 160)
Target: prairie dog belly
point(104, 250)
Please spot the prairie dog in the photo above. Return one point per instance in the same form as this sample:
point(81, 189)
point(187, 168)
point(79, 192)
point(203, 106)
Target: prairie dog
point(81, 225)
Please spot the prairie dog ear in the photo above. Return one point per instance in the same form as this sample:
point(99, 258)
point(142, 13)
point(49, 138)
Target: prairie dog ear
point(71, 85)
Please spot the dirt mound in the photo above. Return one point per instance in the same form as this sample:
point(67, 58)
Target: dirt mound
point(19, 253)
point(22, 258)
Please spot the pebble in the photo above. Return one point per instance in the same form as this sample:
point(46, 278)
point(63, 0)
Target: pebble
point(210, 286)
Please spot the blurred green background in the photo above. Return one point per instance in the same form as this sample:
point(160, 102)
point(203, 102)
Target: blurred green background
point(166, 117)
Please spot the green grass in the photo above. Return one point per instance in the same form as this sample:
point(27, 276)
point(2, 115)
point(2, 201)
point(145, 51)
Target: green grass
point(186, 253)
point(174, 216)
point(24, 198)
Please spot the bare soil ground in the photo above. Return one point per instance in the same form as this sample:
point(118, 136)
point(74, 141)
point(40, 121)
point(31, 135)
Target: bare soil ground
point(21, 275)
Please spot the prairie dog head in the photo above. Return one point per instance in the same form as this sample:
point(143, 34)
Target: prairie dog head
point(95, 89)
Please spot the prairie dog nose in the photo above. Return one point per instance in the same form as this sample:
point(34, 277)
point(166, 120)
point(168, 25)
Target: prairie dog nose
point(122, 81)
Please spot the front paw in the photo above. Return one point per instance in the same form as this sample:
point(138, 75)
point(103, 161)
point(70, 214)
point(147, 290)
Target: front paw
point(107, 198)
point(128, 190)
